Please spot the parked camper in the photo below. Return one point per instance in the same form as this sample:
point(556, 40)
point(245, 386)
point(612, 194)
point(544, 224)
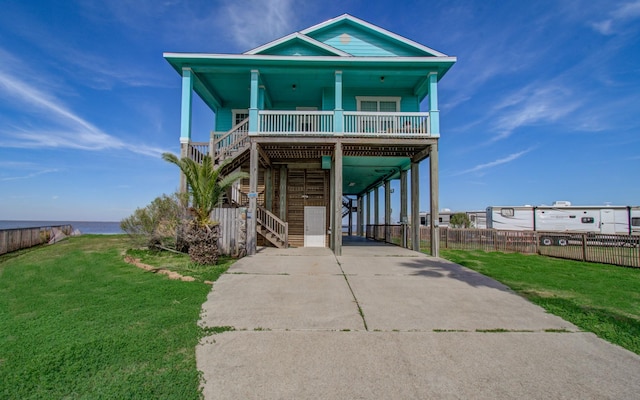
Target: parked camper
point(478, 219)
point(564, 217)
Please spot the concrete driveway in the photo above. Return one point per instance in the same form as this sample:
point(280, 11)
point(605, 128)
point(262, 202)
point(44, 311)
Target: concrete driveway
point(382, 322)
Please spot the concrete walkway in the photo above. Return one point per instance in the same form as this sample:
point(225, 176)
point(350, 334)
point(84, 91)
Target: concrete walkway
point(382, 322)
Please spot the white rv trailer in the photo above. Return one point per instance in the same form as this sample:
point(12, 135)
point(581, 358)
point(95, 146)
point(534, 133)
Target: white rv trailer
point(478, 219)
point(563, 217)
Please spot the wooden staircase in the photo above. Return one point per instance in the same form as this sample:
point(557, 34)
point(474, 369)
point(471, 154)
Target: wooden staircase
point(232, 144)
point(272, 228)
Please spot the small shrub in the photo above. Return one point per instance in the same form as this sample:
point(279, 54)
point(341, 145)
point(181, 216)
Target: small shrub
point(157, 225)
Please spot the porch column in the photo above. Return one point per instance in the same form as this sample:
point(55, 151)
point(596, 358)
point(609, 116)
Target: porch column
point(185, 119)
point(253, 199)
point(283, 193)
point(387, 210)
point(253, 103)
point(434, 113)
point(433, 196)
point(338, 112)
point(337, 200)
point(360, 220)
point(415, 206)
point(403, 206)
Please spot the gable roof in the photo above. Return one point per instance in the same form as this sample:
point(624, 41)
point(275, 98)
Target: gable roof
point(348, 36)
point(288, 40)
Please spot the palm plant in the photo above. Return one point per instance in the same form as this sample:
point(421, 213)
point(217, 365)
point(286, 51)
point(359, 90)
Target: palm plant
point(207, 188)
point(206, 185)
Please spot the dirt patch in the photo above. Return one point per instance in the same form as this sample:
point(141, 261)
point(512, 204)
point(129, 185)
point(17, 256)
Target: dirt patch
point(151, 268)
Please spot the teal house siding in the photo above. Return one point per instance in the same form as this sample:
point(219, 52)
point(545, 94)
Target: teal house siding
point(360, 43)
point(307, 144)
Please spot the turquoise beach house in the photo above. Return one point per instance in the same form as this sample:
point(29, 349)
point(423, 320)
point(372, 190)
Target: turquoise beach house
point(322, 119)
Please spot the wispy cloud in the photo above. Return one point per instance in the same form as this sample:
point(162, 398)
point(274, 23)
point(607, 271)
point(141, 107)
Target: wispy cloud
point(255, 22)
point(481, 168)
point(619, 15)
point(28, 176)
point(71, 130)
point(533, 105)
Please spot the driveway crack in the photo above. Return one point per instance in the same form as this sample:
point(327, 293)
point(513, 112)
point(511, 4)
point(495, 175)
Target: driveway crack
point(344, 275)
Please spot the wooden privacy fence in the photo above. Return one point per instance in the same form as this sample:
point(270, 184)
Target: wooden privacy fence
point(621, 250)
point(23, 238)
point(233, 230)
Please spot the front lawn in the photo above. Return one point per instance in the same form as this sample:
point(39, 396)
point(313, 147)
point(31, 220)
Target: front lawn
point(76, 321)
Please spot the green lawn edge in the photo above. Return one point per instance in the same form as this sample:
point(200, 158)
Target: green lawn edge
point(598, 298)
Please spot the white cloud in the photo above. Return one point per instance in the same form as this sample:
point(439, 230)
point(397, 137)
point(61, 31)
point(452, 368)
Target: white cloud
point(72, 131)
point(482, 167)
point(28, 176)
point(533, 105)
point(617, 16)
point(254, 22)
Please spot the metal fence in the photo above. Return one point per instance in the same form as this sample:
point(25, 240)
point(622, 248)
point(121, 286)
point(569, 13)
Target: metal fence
point(621, 250)
point(23, 238)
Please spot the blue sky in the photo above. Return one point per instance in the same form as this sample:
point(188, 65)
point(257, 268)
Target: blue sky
point(542, 105)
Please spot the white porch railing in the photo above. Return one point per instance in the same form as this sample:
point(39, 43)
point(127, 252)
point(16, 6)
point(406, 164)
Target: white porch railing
point(295, 122)
point(281, 122)
point(377, 123)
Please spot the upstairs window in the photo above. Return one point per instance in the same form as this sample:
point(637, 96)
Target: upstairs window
point(382, 105)
point(378, 104)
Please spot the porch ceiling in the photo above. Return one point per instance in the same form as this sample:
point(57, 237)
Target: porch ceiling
point(363, 166)
point(227, 77)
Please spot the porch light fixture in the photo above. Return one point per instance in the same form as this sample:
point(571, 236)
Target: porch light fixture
point(293, 87)
point(382, 79)
point(352, 184)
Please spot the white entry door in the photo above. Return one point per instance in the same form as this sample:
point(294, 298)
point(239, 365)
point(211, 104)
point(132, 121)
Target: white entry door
point(607, 222)
point(314, 226)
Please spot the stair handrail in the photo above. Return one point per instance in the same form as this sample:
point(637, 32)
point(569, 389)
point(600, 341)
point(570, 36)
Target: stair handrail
point(235, 139)
point(273, 224)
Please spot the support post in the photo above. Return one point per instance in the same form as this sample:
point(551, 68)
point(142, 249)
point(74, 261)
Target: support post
point(403, 207)
point(415, 206)
point(433, 195)
point(253, 199)
point(268, 189)
point(283, 193)
point(368, 220)
point(387, 211)
point(350, 227)
point(337, 200)
point(376, 205)
point(360, 219)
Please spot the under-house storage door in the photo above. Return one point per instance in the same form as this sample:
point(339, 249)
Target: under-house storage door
point(314, 226)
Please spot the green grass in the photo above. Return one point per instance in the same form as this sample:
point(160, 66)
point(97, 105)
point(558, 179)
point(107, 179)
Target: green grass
point(181, 263)
point(76, 321)
point(598, 298)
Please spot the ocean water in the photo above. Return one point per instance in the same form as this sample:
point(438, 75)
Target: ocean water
point(85, 227)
